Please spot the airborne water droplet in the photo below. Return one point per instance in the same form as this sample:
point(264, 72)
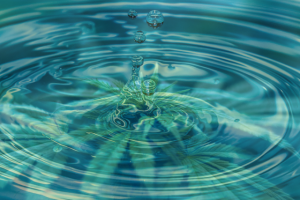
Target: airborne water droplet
point(132, 14)
point(155, 19)
point(139, 37)
point(236, 120)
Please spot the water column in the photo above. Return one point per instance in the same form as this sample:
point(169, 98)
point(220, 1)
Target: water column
point(137, 99)
point(137, 96)
point(132, 89)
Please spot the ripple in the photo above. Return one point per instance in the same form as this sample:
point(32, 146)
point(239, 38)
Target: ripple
point(234, 65)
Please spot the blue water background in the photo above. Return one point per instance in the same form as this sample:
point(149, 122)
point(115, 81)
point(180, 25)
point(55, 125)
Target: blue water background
point(240, 57)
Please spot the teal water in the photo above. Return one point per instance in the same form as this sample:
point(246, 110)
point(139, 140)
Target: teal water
point(229, 69)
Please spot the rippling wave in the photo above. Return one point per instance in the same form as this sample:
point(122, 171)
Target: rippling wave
point(232, 65)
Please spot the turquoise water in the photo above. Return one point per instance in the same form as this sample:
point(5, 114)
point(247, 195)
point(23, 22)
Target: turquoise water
point(229, 69)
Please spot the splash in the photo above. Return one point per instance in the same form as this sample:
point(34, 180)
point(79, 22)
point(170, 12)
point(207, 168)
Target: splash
point(58, 136)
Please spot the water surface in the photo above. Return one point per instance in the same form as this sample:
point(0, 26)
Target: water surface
point(236, 61)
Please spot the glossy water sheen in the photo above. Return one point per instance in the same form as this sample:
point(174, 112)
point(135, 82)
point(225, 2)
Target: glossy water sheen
point(239, 60)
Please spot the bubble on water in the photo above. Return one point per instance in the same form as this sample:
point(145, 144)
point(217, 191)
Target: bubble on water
point(57, 148)
point(132, 14)
point(216, 81)
point(155, 18)
point(139, 37)
point(236, 120)
point(137, 61)
point(56, 72)
point(171, 67)
point(87, 28)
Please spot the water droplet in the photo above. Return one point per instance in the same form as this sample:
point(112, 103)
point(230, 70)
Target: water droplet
point(155, 18)
point(132, 14)
point(217, 81)
point(57, 148)
point(139, 37)
point(148, 87)
point(171, 67)
point(236, 120)
point(137, 61)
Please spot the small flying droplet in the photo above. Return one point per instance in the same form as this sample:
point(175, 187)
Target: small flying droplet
point(236, 120)
point(155, 19)
point(57, 148)
point(139, 37)
point(132, 14)
point(217, 81)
